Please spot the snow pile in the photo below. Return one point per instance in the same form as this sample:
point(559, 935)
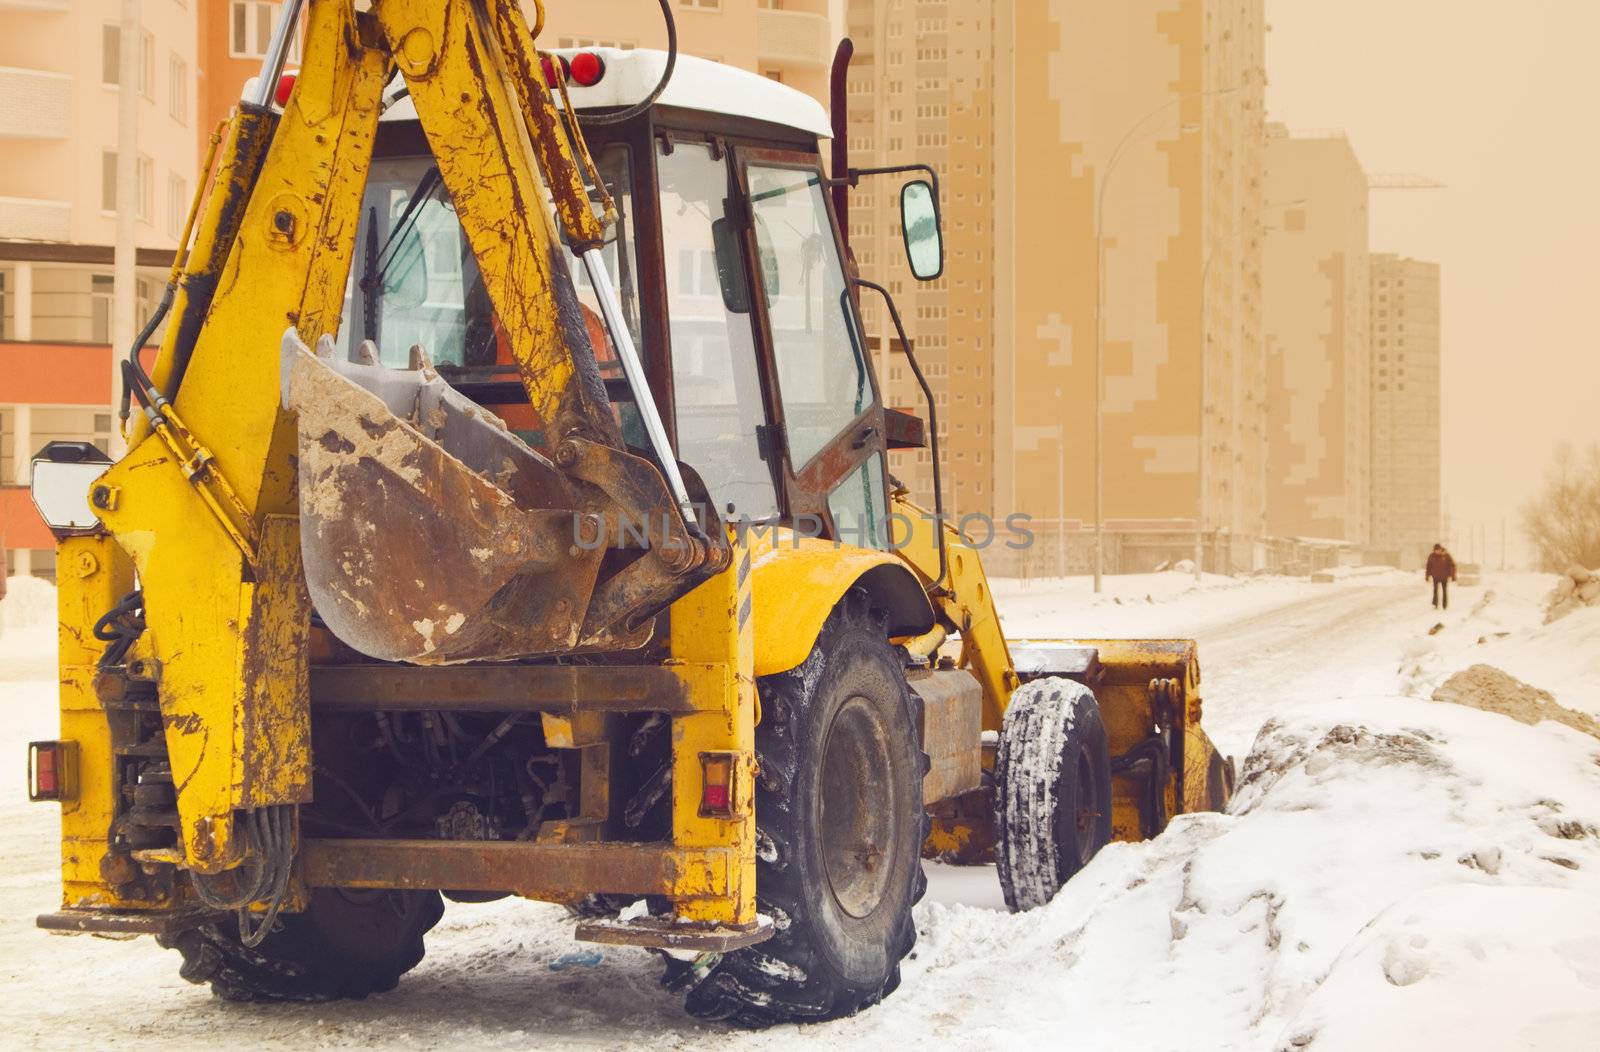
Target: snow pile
point(1396, 874)
point(1574, 590)
point(28, 628)
point(1492, 690)
point(29, 602)
point(1507, 629)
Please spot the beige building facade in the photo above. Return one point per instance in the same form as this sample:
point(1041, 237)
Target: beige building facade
point(60, 70)
point(788, 40)
point(1050, 122)
point(1406, 512)
point(1318, 306)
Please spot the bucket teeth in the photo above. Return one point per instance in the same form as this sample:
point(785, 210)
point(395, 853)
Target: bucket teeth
point(429, 532)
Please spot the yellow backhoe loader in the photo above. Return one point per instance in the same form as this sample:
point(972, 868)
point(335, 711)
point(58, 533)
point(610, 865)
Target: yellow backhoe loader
point(509, 512)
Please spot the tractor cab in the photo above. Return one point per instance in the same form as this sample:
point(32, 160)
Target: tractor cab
point(730, 269)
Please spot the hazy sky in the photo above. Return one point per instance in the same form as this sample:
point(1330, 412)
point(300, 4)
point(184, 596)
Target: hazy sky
point(1498, 100)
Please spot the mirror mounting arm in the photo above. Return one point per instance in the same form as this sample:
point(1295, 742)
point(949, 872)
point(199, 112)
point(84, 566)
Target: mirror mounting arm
point(852, 176)
point(933, 425)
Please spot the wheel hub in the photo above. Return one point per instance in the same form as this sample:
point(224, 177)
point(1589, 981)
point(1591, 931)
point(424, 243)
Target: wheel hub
point(858, 827)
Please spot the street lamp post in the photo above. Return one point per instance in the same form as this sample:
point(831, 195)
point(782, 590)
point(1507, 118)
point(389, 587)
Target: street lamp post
point(1200, 426)
point(1061, 495)
point(1100, 318)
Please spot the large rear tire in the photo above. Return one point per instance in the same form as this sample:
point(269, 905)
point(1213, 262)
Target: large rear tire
point(347, 944)
point(839, 831)
point(1052, 790)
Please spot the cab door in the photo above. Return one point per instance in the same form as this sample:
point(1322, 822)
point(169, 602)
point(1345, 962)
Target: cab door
point(825, 427)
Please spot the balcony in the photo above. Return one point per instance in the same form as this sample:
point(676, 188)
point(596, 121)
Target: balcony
point(35, 104)
point(31, 219)
point(793, 38)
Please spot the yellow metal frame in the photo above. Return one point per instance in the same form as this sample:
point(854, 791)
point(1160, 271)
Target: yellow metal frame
point(713, 652)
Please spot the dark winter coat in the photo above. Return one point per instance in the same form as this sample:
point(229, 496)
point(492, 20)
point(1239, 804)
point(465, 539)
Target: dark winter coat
point(1441, 567)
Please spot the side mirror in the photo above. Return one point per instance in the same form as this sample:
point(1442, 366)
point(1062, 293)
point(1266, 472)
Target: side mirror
point(62, 475)
point(730, 267)
point(919, 224)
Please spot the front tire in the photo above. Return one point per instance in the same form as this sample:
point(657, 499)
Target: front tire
point(839, 831)
point(347, 944)
point(1052, 790)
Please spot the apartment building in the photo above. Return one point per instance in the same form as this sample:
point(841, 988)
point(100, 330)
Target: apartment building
point(232, 38)
point(788, 40)
point(1139, 121)
point(60, 67)
point(1317, 309)
point(1406, 512)
point(922, 89)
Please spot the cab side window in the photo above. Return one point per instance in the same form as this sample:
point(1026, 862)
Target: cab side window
point(822, 377)
point(715, 378)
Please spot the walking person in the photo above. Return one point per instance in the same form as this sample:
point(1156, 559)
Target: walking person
point(1441, 571)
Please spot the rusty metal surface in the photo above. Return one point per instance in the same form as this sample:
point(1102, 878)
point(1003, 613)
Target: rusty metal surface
point(962, 829)
point(547, 133)
point(125, 922)
point(272, 721)
point(1035, 659)
point(548, 871)
point(952, 725)
point(501, 688)
point(1137, 661)
point(668, 934)
point(420, 551)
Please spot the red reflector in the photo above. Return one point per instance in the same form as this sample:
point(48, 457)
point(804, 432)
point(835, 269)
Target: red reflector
point(587, 68)
point(44, 775)
point(716, 787)
point(47, 770)
point(547, 66)
point(285, 89)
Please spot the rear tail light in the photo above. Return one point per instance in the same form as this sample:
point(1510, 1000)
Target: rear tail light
point(50, 771)
point(587, 68)
point(284, 90)
point(547, 63)
point(716, 784)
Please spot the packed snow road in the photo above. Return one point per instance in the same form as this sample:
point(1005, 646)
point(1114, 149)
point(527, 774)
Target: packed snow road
point(1393, 873)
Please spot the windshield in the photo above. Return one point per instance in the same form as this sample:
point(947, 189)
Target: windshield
point(414, 279)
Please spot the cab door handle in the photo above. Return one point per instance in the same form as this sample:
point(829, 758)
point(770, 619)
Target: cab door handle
point(865, 436)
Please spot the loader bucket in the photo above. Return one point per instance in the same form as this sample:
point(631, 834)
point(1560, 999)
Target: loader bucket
point(429, 532)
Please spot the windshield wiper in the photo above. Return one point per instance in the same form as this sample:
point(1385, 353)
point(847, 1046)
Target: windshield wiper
point(378, 260)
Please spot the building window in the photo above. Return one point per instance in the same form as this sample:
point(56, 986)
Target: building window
point(108, 180)
point(111, 59)
point(8, 441)
point(100, 289)
point(177, 204)
point(145, 188)
point(178, 89)
point(111, 55)
point(144, 184)
point(710, 5)
point(250, 29)
point(573, 43)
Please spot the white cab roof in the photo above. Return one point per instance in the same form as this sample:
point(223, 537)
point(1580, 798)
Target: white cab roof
point(696, 84)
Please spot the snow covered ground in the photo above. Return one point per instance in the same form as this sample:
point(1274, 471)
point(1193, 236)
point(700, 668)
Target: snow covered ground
point(1394, 872)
